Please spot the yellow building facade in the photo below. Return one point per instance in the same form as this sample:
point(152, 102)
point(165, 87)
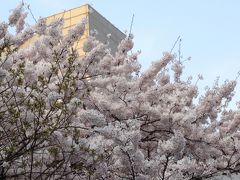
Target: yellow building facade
point(71, 18)
point(106, 32)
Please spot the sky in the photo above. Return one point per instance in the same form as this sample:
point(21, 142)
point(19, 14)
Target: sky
point(210, 30)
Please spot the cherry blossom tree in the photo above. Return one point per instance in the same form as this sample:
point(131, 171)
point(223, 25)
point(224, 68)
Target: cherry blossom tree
point(63, 116)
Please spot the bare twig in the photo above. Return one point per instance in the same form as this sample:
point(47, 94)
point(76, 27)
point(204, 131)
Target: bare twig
point(175, 43)
point(179, 50)
point(131, 25)
point(28, 6)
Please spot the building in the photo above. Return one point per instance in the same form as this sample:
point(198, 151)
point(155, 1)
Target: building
point(96, 22)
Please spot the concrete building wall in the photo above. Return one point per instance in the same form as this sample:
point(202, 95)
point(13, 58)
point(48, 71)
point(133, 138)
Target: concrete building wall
point(104, 28)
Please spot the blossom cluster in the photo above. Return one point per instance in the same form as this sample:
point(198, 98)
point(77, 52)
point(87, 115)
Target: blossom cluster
point(63, 116)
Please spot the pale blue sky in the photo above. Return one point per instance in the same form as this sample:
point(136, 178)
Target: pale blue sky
point(210, 29)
